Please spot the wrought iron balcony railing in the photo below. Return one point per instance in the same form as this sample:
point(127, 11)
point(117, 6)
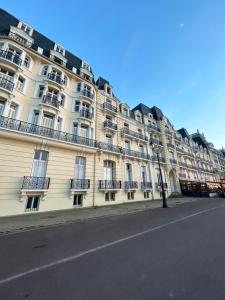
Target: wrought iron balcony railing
point(51, 100)
point(25, 127)
point(6, 84)
point(20, 39)
point(129, 185)
point(137, 154)
point(153, 127)
point(79, 184)
point(137, 135)
point(109, 147)
point(14, 58)
point(146, 185)
point(173, 161)
point(179, 150)
point(57, 78)
point(110, 184)
point(155, 159)
point(182, 175)
point(87, 93)
point(84, 113)
point(158, 185)
point(35, 183)
point(110, 107)
point(109, 124)
point(155, 141)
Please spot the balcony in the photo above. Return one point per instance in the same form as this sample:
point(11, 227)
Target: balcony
point(130, 185)
point(182, 175)
point(156, 142)
point(110, 125)
point(182, 164)
point(6, 84)
point(87, 94)
point(11, 57)
point(41, 131)
point(110, 185)
point(137, 135)
point(179, 150)
point(155, 159)
point(158, 186)
point(137, 154)
point(173, 161)
point(56, 79)
point(146, 186)
point(80, 184)
point(153, 127)
point(20, 39)
point(110, 107)
point(51, 100)
point(109, 147)
point(170, 145)
point(86, 114)
point(35, 183)
point(188, 154)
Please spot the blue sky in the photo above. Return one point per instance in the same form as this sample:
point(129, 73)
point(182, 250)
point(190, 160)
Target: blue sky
point(168, 53)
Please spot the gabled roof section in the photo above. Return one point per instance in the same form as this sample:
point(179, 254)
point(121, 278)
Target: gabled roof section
point(101, 83)
point(200, 139)
point(155, 111)
point(184, 133)
point(39, 40)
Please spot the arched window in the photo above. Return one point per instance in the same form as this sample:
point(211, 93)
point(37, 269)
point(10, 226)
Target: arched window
point(44, 71)
point(27, 62)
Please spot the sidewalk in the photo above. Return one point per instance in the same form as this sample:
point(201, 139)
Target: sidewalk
point(38, 220)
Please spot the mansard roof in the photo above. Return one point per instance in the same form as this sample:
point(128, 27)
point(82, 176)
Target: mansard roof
point(40, 40)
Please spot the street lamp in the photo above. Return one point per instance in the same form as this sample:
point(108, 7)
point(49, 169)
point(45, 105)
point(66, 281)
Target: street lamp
point(157, 150)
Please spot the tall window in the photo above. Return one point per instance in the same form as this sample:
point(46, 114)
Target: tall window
point(40, 163)
point(35, 117)
point(47, 121)
point(129, 172)
point(75, 128)
point(109, 170)
point(84, 131)
point(44, 71)
point(78, 200)
point(77, 106)
point(127, 145)
point(80, 167)
point(12, 110)
point(40, 92)
point(144, 174)
point(27, 62)
point(32, 203)
point(2, 106)
point(109, 139)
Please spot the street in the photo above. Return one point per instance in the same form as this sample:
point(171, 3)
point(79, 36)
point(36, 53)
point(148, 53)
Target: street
point(174, 253)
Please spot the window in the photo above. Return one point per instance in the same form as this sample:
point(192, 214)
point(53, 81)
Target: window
point(110, 196)
point(32, 203)
point(80, 167)
point(47, 121)
point(20, 84)
point(109, 139)
point(126, 125)
point(44, 71)
point(143, 173)
point(109, 90)
point(138, 118)
point(84, 131)
point(78, 200)
point(75, 128)
point(2, 106)
point(77, 106)
point(35, 117)
point(109, 170)
point(27, 62)
point(86, 66)
point(130, 195)
point(12, 111)
point(125, 112)
point(59, 49)
point(40, 92)
point(59, 124)
point(25, 28)
point(127, 145)
point(129, 172)
point(40, 163)
point(146, 195)
point(79, 87)
point(1, 45)
point(62, 100)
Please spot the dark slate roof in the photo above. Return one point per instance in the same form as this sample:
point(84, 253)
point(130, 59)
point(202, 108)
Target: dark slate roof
point(199, 139)
point(155, 111)
point(184, 133)
point(39, 40)
point(101, 83)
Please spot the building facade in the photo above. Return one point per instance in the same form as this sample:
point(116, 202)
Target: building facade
point(66, 141)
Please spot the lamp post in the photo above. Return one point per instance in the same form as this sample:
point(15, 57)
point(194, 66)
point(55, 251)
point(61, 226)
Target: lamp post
point(156, 149)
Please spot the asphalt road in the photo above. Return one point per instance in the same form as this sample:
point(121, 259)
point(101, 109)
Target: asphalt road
point(175, 253)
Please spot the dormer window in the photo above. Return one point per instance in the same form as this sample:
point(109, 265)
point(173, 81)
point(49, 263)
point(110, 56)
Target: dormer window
point(109, 90)
point(125, 111)
point(59, 49)
point(138, 118)
point(86, 66)
point(26, 28)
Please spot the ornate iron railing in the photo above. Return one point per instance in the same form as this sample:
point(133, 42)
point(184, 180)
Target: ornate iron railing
point(146, 185)
point(8, 55)
point(80, 184)
point(56, 78)
point(134, 134)
point(45, 132)
point(110, 124)
point(110, 184)
point(86, 114)
point(109, 106)
point(20, 39)
point(155, 141)
point(6, 84)
point(51, 100)
point(151, 126)
point(87, 94)
point(155, 159)
point(35, 183)
point(128, 185)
